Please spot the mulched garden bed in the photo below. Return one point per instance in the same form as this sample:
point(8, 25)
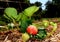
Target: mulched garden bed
point(15, 35)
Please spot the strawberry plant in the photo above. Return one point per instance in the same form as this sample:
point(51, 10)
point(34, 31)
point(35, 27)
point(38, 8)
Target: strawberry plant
point(22, 19)
point(23, 22)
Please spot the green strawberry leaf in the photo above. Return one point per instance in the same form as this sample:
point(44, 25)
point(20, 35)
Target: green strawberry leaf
point(19, 16)
point(7, 17)
point(11, 12)
point(30, 10)
point(25, 21)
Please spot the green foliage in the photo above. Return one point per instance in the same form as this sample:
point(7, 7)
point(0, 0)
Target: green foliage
point(45, 23)
point(24, 23)
point(19, 16)
point(7, 17)
point(11, 12)
point(54, 26)
point(41, 34)
point(29, 11)
point(23, 18)
point(2, 23)
point(26, 17)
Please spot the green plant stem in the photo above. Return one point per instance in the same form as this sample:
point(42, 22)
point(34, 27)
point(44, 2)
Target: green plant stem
point(15, 23)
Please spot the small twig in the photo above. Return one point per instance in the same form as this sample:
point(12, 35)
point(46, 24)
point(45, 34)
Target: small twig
point(6, 39)
point(2, 26)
